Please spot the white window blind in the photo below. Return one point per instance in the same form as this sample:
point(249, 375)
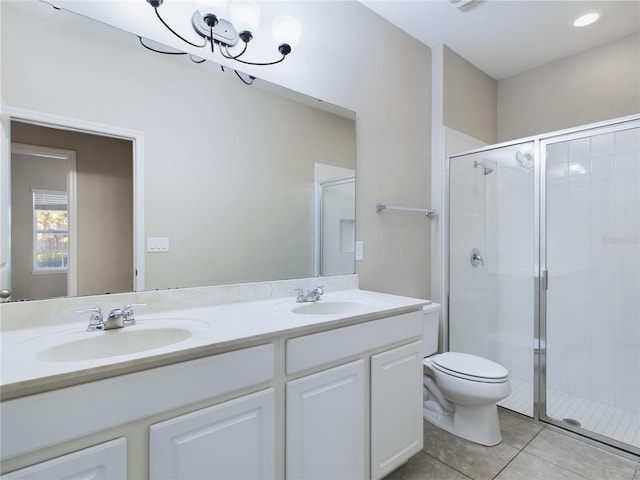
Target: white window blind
point(50, 200)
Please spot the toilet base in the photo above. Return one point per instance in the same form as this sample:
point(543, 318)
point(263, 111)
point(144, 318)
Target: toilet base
point(479, 424)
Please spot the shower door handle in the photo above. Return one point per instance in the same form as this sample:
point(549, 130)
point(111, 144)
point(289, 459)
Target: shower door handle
point(475, 258)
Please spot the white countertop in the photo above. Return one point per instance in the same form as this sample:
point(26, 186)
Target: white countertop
point(213, 329)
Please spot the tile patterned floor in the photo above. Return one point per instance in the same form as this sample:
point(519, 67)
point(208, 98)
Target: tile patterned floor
point(529, 451)
point(521, 398)
point(617, 423)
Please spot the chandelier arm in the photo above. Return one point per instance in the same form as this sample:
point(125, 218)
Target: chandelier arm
point(238, 59)
point(251, 78)
point(232, 57)
point(158, 51)
point(259, 63)
point(177, 34)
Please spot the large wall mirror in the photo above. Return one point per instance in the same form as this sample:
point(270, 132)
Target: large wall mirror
point(224, 182)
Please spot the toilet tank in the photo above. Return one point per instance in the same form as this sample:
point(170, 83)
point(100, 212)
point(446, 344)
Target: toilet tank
point(431, 321)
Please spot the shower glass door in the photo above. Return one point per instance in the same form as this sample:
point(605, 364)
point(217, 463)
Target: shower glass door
point(591, 250)
point(492, 258)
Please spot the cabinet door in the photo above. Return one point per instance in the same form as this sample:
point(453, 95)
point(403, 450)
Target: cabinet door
point(396, 407)
point(235, 439)
point(325, 424)
point(107, 461)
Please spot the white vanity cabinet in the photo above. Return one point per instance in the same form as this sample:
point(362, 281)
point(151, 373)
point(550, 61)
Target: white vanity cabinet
point(234, 439)
point(237, 385)
point(361, 418)
point(330, 400)
point(325, 421)
point(107, 461)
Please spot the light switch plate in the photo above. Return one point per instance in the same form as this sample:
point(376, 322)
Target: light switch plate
point(157, 244)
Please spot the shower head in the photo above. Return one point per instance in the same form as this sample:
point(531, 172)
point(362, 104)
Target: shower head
point(486, 169)
point(525, 159)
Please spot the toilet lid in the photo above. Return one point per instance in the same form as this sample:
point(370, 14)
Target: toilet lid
point(470, 366)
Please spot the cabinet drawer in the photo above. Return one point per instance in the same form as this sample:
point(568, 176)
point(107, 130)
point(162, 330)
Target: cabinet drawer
point(28, 423)
point(107, 461)
point(317, 349)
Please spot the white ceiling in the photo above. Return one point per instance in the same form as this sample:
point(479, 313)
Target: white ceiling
point(507, 37)
point(501, 37)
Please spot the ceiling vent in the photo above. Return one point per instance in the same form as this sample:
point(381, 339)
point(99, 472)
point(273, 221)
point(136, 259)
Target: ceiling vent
point(463, 5)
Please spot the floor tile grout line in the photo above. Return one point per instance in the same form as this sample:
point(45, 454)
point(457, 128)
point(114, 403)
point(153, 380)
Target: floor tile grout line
point(523, 448)
point(447, 465)
point(518, 454)
point(544, 427)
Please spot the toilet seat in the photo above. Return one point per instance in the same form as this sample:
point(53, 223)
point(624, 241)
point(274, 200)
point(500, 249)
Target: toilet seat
point(469, 367)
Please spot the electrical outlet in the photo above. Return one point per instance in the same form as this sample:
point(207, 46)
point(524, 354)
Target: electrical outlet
point(359, 250)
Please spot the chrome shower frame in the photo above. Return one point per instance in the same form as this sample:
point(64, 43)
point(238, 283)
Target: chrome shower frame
point(540, 271)
point(541, 374)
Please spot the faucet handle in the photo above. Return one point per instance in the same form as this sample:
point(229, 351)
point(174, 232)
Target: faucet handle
point(96, 321)
point(301, 295)
point(320, 290)
point(128, 314)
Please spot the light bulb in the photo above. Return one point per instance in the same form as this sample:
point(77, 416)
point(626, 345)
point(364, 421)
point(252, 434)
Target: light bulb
point(244, 15)
point(286, 30)
point(216, 7)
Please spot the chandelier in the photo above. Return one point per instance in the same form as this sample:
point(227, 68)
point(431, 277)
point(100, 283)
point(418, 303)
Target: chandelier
point(243, 19)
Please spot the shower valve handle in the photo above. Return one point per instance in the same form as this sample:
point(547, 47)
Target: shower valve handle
point(475, 258)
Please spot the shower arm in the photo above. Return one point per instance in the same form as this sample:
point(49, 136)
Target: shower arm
point(487, 170)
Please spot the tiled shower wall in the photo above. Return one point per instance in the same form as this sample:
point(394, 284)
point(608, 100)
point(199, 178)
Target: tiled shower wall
point(491, 305)
point(593, 258)
point(472, 310)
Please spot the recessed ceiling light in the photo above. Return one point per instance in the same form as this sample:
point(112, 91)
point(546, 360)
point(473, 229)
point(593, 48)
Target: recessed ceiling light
point(586, 19)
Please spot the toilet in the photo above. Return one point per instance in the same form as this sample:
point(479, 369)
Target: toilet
point(461, 390)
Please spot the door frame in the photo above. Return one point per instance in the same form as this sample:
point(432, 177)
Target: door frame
point(70, 157)
point(5, 203)
point(137, 138)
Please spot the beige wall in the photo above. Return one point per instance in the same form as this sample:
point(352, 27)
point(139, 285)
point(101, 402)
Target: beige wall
point(104, 182)
point(388, 84)
point(592, 86)
point(469, 98)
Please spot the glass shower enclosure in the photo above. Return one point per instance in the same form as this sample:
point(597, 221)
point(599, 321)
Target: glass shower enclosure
point(544, 274)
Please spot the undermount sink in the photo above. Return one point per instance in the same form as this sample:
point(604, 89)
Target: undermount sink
point(329, 308)
point(76, 344)
point(111, 343)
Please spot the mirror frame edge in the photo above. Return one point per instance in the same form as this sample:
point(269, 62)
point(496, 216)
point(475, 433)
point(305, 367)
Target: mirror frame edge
point(137, 138)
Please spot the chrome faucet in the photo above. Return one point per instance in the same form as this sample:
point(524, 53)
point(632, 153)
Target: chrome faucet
point(117, 318)
point(310, 296)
